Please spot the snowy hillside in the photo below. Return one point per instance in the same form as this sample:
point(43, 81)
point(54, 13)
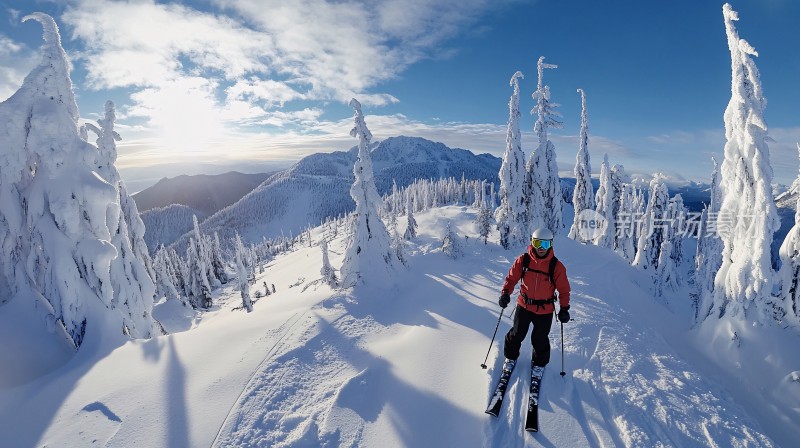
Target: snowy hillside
point(318, 186)
point(166, 224)
point(399, 365)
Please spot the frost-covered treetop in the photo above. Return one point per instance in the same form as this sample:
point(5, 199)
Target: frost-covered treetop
point(360, 130)
point(540, 66)
point(545, 110)
point(514, 82)
point(743, 69)
point(53, 58)
point(583, 153)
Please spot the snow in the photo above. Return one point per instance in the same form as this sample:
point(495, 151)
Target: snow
point(312, 366)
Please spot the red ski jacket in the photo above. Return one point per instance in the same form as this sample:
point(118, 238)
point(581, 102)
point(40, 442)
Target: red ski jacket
point(537, 285)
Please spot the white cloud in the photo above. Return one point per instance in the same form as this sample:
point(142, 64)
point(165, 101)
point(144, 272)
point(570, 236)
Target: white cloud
point(203, 75)
point(15, 63)
point(141, 43)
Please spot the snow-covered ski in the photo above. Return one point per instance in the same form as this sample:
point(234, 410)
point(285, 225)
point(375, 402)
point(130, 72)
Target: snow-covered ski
point(532, 420)
point(500, 391)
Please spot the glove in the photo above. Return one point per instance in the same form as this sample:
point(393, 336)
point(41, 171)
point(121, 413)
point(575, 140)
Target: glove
point(505, 299)
point(563, 315)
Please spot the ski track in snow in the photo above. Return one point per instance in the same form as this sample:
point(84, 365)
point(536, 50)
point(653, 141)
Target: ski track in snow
point(282, 334)
point(293, 390)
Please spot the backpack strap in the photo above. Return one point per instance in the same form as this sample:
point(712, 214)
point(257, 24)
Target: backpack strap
point(526, 259)
point(552, 271)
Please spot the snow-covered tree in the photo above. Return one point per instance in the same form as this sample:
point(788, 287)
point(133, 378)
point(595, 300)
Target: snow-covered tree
point(666, 273)
point(368, 253)
point(484, 222)
point(583, 194)
point(451, 246)
point(327, 271)
point(605, 207)
point(132, 272)
point(217, 260)
point(411, 223)
point(166, 276)
point(512, 212)
point(745, 278)
point(201, 279)
point(653, 232)
point(398, 244)
point(241, 274)
point(542, 187)
point(626, 224)
point(60, 216)
point(676, 220)
point(197, 280)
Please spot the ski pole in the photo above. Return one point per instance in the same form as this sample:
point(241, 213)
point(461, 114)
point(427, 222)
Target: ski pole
point(562, 350)
point(483, 366)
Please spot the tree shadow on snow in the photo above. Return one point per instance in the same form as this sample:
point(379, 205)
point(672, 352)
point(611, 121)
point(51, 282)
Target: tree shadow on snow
point(175, 395)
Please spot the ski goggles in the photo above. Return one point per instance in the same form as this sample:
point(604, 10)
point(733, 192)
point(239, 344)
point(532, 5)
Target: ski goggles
point(541, 244)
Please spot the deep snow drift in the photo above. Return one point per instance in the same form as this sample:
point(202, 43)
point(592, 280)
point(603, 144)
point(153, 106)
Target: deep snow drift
point(399, 365)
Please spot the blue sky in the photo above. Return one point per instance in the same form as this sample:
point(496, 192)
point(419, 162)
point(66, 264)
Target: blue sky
point(213, 85)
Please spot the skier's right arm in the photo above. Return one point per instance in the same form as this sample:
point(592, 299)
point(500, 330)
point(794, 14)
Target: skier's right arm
point(513, 276)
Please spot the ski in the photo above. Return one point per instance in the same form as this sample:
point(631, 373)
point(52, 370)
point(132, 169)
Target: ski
point(500, 390)
point(532, 419)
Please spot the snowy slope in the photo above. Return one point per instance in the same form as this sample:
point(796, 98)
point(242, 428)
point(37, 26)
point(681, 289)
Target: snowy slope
point(397, 366)
point(166, 224)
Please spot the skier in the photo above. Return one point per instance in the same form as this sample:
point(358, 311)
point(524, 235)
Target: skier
point(541, 278)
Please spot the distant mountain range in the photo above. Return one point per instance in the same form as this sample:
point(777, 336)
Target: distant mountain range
point(318, 187)
point(204, 192)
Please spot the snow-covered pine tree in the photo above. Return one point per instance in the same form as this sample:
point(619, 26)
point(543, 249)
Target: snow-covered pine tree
point(451, 246)
point(745, 278)
point(181, 273)
point(205, 251)
point(583, 194)
point(477, 199)
point(676, 218)
point(542, 187)
point(484, 222)
point(665, 277)
point(398, 243)
point(132, 272)
point(165, 276)
point(198, 282)
point(605, 207)
point(652, 233)
point(218, 260)
point(54, 226)
point(327, 271)
point(626, 224)
point(512, 212)
point(241, 275)
point(411, 223)
point(368, 253)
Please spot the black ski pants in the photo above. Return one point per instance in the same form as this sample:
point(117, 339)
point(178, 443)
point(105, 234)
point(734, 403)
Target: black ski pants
point(540, 336)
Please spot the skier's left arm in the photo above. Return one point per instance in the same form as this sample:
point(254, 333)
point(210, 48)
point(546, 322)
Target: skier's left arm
point(562, 284)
